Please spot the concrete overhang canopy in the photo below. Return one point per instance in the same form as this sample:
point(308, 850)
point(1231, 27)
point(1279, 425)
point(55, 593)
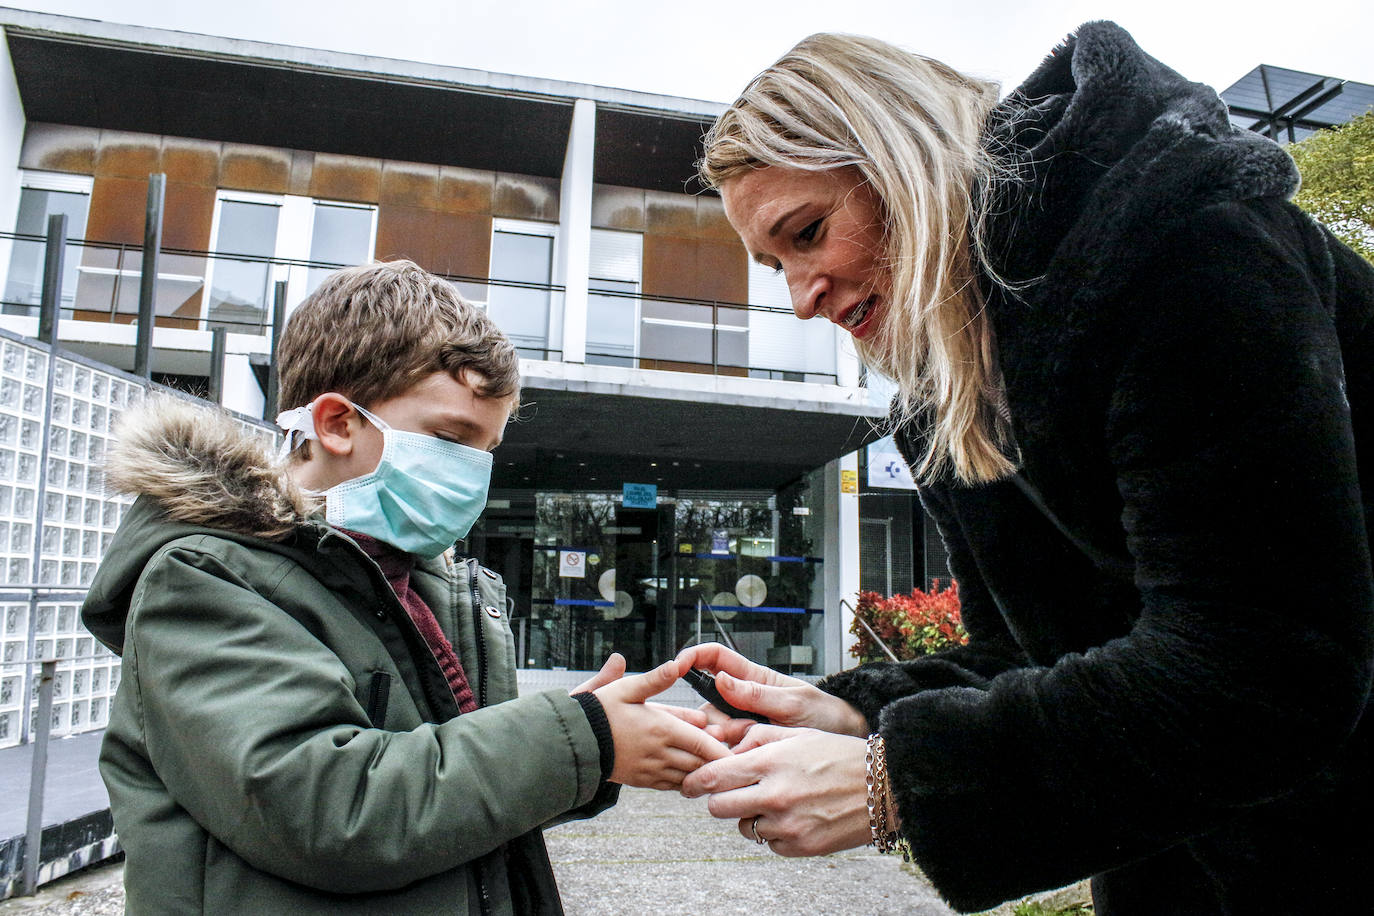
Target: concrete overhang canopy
point(706, 432)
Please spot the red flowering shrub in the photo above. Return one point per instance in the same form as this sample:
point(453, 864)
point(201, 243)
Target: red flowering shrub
point(911, 625)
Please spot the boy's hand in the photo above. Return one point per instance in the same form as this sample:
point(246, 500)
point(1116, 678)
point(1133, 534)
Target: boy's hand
point(613, 669)
point(654, 748)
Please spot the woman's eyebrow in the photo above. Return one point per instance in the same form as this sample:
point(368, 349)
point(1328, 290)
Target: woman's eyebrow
point(777, 226)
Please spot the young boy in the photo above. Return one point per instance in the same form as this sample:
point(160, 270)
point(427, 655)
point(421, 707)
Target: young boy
point(318, 710)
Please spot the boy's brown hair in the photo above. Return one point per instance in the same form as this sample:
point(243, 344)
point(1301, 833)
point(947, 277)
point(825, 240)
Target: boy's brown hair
point(373, 332)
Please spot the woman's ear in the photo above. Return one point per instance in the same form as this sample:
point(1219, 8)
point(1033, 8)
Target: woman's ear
point(336, 423)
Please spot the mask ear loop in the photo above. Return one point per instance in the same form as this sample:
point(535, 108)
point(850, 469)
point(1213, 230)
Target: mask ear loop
point(299, 425)
point(371, 417)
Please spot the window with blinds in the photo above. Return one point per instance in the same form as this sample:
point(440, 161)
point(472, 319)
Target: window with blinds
point(613, 303)
point(781, 346)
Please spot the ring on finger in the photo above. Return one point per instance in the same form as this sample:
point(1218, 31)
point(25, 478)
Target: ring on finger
point(754, 829)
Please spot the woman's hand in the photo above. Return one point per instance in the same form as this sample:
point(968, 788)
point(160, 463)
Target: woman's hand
point(800, 790)
point(784, 700)
point(654, 748)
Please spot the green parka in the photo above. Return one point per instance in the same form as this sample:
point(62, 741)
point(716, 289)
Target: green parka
point(283, 740)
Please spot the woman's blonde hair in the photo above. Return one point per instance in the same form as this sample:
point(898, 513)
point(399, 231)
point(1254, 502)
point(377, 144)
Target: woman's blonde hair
point(912, 127)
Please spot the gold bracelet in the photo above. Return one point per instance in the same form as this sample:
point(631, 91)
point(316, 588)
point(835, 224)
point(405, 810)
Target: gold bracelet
point(881, 804)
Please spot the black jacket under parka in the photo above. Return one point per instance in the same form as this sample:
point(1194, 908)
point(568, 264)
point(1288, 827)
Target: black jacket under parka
point(1170, 606)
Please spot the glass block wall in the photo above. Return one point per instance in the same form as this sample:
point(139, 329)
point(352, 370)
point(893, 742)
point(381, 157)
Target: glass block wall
point(56, 521)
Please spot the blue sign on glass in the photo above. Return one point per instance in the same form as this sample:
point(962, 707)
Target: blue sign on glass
point(720, 541)
point(640, 496)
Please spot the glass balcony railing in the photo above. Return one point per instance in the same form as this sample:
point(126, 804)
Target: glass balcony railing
point(201, 290)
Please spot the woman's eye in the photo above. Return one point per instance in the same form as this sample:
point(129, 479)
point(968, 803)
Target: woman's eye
point(777, 271)
point(809, 233)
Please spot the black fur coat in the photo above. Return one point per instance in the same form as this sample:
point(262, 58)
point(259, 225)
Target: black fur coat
point(1171, 607)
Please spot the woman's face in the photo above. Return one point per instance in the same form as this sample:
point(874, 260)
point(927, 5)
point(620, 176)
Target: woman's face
point(824, 231)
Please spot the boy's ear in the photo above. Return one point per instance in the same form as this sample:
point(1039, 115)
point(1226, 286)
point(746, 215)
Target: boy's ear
point(336, 423)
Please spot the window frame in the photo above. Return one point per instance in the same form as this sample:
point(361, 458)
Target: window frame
point(295, 237)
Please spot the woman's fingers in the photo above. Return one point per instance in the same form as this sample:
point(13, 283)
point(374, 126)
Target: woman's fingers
point(779, 704)
point(727, 773)
point(713, 656)
point(759, 735)
point(805, 786)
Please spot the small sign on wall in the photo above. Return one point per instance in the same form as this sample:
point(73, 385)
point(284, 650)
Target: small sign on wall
point(572, 564)
point(640, 496)
point(886, 468)
point(849, 481)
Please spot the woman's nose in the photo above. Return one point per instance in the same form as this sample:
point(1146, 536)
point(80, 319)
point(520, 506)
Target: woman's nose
point(807, 295)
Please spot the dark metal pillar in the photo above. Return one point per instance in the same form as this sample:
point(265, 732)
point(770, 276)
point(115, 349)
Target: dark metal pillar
point(217, 351)
point(278, 322)
point(38, 774)
point(147, 286)
point(53, 262)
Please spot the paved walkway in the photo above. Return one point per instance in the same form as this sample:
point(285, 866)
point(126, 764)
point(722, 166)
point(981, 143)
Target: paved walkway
point(71, 789)
point(654, 853)
point(657, 852)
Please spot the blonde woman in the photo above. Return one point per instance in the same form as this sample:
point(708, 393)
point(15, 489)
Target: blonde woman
point(1134, 384)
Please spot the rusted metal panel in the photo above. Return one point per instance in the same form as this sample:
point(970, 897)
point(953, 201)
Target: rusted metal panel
point(244, 167)
point(670, 214)
point(123, 154)
point(525, 197)
point(194, 162)
point(462, 244)
point(410, 184)
point(615, 207)
point(405, 232)
point(59, 148)
point(466, 190)
point(118, 208)
point(349, 178)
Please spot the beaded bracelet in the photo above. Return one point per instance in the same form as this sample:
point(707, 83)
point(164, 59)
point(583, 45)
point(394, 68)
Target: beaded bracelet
point(880, 802)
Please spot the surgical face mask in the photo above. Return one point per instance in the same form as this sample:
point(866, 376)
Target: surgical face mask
point(425, 494)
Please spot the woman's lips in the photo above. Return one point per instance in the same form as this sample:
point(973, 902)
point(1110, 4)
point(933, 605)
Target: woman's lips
point(860, 320)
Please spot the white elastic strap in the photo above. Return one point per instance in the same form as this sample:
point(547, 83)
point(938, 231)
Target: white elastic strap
point(299, 424)
point(302, 420)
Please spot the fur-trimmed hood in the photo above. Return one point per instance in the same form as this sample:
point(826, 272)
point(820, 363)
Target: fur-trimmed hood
point(195, 470)
point(203, 467)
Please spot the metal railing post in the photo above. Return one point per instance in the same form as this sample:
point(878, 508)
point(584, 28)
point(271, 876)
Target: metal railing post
point(218, 337)
point(147, 286)
point(278, 321)
point(118, 282)
point(869, 630)
point(715, 338)
point(33, 838)
point(53, 259)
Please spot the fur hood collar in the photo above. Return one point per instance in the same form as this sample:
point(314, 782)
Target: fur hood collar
point(201, 466)
point(1105, 145)
point(195, 470)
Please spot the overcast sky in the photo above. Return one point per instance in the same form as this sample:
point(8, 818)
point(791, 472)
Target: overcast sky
point(710, 50)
